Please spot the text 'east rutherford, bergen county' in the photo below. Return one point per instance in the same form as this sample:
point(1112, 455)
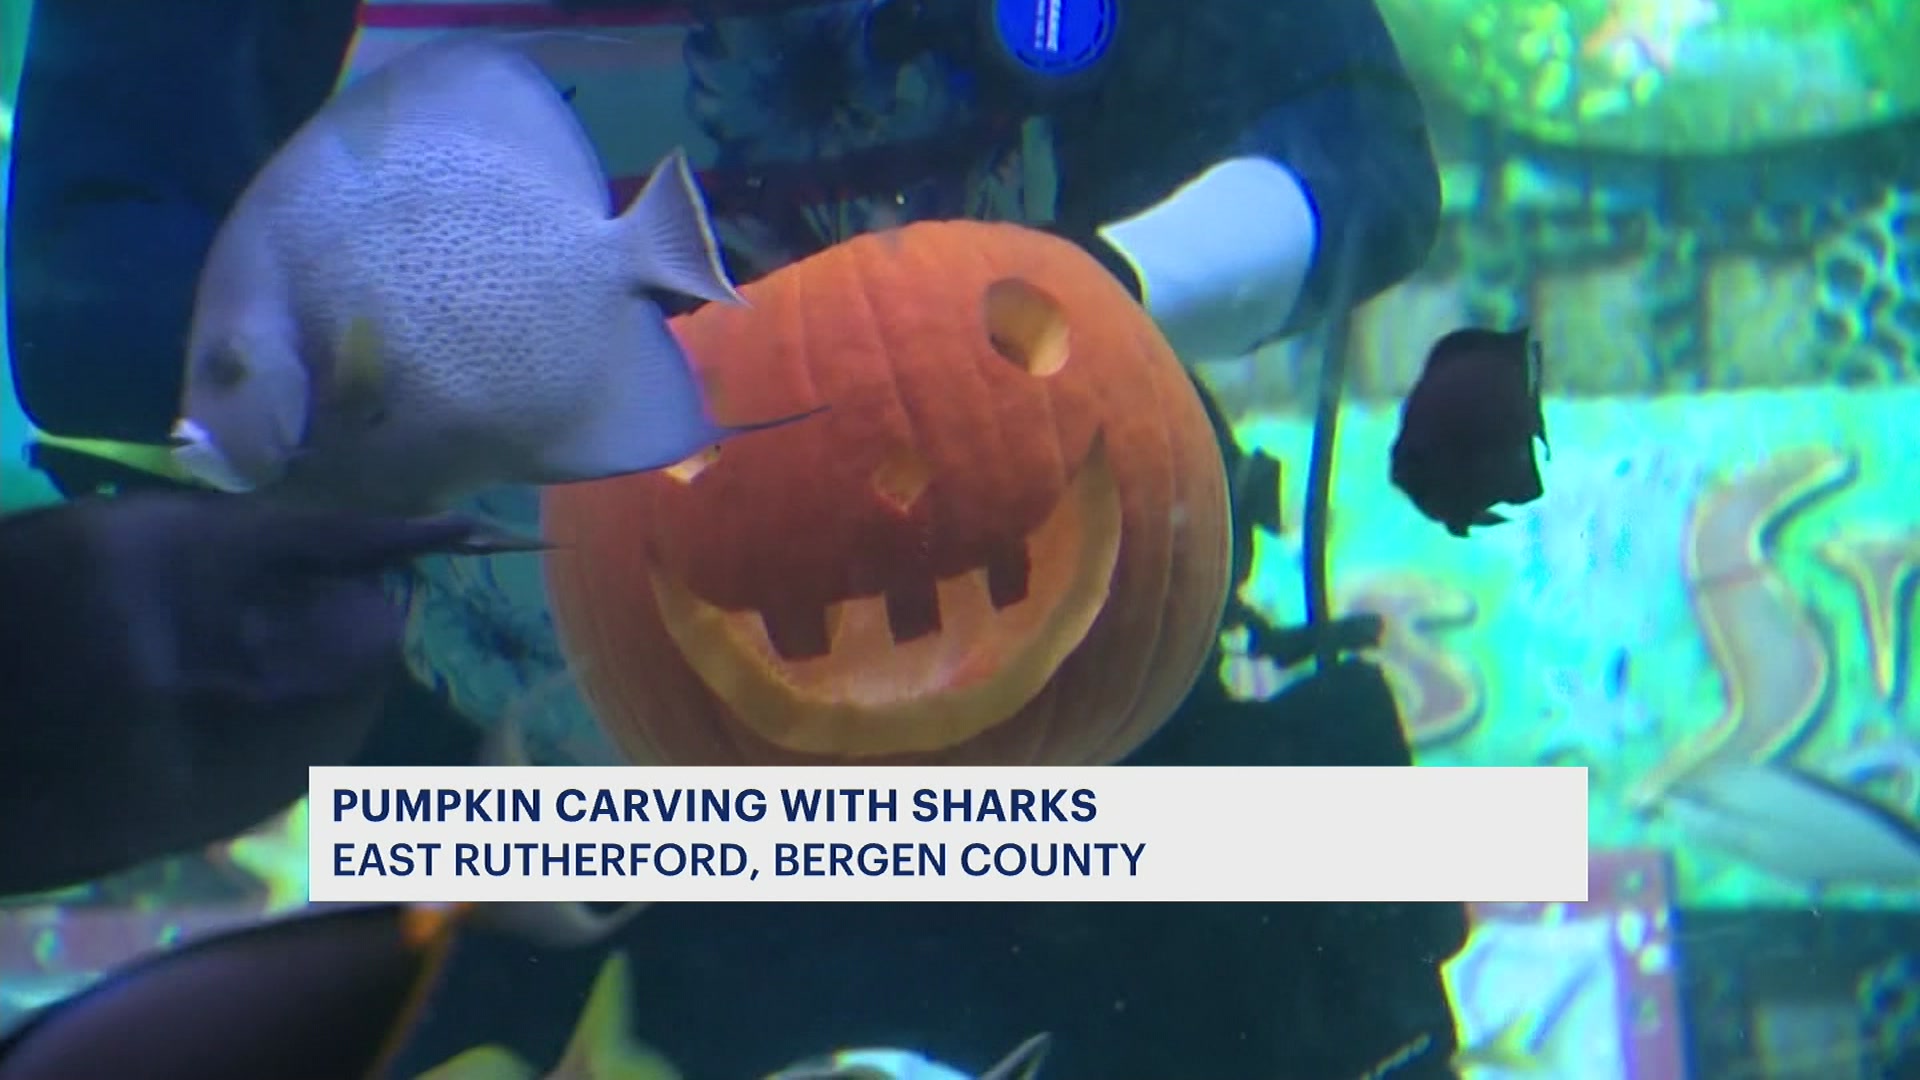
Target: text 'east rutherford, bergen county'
point(949, 833)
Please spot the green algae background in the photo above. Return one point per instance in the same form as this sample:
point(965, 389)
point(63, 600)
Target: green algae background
point(1549, 69)
point(1594, 571)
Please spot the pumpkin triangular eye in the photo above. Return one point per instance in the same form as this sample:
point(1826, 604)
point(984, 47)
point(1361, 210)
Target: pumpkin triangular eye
point(1026, 326)
point(901, 478)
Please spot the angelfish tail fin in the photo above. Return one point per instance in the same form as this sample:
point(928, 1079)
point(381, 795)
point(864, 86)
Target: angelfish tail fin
point(670, 237)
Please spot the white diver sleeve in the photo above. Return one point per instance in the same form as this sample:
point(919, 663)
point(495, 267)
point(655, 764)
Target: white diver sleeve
point(1222, 260)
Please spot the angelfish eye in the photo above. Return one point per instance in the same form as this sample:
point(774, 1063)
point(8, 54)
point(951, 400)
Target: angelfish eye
point(223, 367)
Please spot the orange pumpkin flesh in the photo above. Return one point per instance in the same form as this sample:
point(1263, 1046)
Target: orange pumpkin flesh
point(1005, 541)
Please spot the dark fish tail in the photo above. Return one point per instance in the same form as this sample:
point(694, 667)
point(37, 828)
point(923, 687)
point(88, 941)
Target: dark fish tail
point(332, 993)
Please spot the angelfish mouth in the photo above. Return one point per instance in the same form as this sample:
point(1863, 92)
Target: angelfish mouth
point(872, 694)
point(194, 451)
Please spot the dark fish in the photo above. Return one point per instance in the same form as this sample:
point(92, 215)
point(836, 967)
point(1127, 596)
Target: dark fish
point(171, 663)
point(1467, 429)
point(326, 994)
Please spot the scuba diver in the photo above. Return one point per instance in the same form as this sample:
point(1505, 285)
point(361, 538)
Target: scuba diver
point(1220, 158)
point(1241, 166)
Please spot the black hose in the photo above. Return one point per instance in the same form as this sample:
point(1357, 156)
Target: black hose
point(1326, 426)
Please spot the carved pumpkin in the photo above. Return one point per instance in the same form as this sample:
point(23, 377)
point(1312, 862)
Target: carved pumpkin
point(1005, 541)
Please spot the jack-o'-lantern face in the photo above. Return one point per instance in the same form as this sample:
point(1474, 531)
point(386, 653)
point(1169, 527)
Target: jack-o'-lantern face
point(1005, 538)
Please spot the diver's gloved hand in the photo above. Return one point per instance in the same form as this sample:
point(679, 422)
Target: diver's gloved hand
point(1219, 263)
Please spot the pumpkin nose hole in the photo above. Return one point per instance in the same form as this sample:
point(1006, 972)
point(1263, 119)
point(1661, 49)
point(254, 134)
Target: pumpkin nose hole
point(901, 478)
point(1026, 326)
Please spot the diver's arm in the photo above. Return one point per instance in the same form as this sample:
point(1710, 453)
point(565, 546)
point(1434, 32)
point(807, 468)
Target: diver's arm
point(1279, 136)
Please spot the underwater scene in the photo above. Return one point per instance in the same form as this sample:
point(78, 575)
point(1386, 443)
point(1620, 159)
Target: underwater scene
point(1578, 434)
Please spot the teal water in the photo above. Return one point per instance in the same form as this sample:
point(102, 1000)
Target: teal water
point(1707, 213)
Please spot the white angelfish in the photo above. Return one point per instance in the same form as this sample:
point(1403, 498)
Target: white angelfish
point(425, 292)
point(886, 1063)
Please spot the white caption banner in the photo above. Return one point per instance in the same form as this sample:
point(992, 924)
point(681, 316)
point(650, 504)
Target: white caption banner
point(990, 834)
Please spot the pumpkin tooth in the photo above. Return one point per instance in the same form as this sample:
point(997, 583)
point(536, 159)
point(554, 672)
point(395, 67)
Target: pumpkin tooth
point(798, 632)
point(913, 609)
point(1007, 571)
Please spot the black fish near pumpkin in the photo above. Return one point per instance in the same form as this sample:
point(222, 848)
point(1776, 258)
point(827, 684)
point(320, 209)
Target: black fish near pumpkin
point(1467, 429)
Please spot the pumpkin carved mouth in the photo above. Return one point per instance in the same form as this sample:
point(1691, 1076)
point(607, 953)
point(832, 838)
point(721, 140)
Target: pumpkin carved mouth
point(871, 694)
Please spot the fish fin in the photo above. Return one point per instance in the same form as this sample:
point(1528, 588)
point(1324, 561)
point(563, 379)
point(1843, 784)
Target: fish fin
point(556, 924)
point(482, 1063)
point(1460, 526)
point(652, 416)
point(1522, 484)
point(672, 239)
point(348, 543)
point(153, 459)
point(601, 1044)
point(778, 421)
point(1022, 1062)
point(486, 539)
